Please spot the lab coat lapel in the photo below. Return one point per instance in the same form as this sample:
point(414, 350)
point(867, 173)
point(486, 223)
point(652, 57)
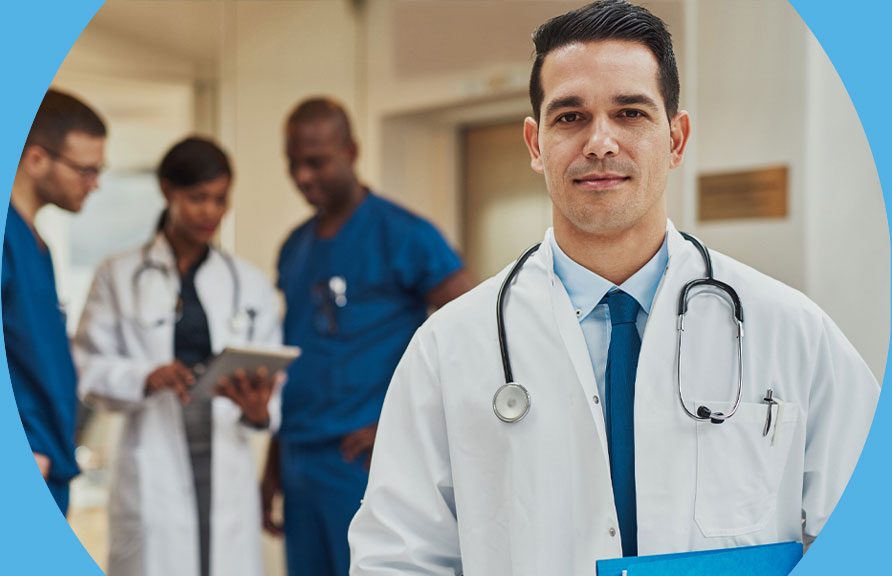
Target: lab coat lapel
point(574, 341)
point(665, 439)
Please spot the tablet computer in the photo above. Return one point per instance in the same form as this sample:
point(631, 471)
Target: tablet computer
point(249, 359)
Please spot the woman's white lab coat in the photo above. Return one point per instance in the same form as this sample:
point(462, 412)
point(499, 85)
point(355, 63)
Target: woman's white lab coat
point(453, 489)
point(126, 331)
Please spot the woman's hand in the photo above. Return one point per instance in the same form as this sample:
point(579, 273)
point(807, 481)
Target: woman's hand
point(174, 376)
point(250, 394)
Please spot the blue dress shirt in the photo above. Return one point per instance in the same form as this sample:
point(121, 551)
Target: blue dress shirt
point(586, 289)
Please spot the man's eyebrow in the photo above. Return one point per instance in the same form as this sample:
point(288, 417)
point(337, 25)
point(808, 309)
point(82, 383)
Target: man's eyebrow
point(561, 103)
point(635, 99)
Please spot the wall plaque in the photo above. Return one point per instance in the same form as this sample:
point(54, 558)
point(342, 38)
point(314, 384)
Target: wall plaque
point(759, 193)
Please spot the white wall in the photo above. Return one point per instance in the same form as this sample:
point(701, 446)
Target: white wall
point(751, 90)
point(847, 235)
point(767, 95)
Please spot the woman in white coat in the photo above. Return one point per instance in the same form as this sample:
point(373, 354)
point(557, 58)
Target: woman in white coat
point(184, 496)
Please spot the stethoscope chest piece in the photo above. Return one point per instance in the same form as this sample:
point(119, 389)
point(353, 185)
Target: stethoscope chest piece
point(511, 402)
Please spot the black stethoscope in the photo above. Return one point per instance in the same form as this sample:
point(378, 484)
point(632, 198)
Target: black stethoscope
point(239, 319)
point(511, 401)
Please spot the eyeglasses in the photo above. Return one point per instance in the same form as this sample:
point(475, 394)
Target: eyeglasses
point(85, 172)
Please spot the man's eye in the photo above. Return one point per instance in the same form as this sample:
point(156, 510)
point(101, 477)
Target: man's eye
point(633, 114)
point(568, 118)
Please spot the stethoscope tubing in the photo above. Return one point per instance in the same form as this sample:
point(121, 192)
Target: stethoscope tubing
point(148, 264)
point(688, 292)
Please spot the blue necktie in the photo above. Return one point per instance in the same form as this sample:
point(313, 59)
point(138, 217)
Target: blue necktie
point(622, 362)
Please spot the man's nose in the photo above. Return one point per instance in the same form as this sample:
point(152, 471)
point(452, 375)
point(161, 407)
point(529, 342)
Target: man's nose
point(302, 175)
point(601, 141)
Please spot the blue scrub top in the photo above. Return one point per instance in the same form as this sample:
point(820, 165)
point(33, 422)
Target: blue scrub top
point(42, 372)
point(389, 260)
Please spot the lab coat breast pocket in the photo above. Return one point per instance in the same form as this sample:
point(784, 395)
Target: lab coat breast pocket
point(739, 468)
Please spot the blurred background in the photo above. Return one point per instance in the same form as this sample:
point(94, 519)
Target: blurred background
point(778, 173)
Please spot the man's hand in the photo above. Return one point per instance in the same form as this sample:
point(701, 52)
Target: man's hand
point(43, 464)
point(250, 394)
point(355, 443)
point(174, 376)
point(269, 487)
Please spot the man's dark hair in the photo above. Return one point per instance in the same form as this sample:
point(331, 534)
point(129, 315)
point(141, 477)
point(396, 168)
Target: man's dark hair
point(59, 115)
point(321, 108)
point(607, 20)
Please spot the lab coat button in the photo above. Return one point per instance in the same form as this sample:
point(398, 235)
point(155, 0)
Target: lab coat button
point(596, 400)
point(612, 532)
point(578, 313)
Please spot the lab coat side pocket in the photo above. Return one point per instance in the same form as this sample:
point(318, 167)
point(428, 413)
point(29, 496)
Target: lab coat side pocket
point(739, 469)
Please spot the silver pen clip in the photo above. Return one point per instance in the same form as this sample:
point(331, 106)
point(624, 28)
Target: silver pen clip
point(768, 399)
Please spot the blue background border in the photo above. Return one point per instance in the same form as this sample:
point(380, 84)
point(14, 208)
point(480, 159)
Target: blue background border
point(35, 36)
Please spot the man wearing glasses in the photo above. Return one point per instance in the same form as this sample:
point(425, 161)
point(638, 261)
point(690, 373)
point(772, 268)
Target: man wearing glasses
point(60, 165)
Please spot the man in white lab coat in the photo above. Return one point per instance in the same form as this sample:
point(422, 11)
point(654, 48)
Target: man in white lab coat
point(606, 460)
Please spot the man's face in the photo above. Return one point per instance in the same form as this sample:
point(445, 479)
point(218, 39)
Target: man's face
point(72, 172)
point(602, 140)
point(320, 161)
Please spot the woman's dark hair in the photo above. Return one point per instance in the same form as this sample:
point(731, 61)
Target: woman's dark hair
point(607, 20)
point(192, 161)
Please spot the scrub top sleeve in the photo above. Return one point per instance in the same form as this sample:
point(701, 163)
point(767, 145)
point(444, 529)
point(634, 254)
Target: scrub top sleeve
point(407, 520)
point(106, 375)
point(424, 258)
point(6, 272)
point(842, 402)
point(39, 437)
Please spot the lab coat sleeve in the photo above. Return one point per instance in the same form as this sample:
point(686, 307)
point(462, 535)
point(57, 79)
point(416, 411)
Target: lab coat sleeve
point(269, 333)
point(106, 374)
point(407, 522)
point(842, 402)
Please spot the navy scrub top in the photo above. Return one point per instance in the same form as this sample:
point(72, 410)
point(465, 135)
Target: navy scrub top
point(42, 372)
point(388, 260)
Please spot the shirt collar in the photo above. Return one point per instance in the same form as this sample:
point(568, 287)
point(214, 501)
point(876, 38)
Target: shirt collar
point(585, 288)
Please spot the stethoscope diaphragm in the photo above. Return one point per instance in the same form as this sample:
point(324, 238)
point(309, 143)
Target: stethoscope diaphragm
point(511, 402)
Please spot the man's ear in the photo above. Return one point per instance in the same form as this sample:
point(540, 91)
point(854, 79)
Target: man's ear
point(35, 160)
point(531, 137)
point(679, 132)
point(353, 151)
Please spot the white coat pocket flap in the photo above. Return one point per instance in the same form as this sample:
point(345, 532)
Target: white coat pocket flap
point(739, 468)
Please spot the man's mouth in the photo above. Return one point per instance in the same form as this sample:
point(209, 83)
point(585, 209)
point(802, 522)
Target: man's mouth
point(600, 181)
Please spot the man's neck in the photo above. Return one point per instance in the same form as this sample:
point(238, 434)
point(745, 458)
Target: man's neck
point(613, 256)
point(24, 198)
point(329, 223)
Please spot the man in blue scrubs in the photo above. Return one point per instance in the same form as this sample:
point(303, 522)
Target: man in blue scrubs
point(60, 165)
point(358, 279)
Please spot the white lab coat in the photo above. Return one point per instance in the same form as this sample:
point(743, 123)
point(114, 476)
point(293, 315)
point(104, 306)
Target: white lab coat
point(153, 526)
point(453, 489)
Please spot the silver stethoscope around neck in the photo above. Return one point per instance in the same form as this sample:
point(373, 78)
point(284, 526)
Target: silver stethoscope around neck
point(239, 319)
point(511, 401)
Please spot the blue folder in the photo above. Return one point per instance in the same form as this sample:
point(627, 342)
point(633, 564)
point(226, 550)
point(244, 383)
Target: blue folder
point(766, 560)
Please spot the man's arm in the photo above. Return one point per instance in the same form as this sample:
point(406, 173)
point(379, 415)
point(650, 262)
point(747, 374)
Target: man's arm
point(451, 288)
point(407, 521)
point(842, 402)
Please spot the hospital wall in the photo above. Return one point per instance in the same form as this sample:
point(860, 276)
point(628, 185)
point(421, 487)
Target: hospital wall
point(768, 95)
